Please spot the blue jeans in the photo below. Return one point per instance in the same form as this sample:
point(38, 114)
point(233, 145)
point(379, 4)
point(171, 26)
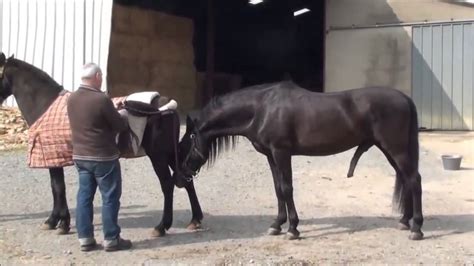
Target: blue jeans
point(108, 177)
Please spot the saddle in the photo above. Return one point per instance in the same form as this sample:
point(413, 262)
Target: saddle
point(138, 115)
point(140, 109)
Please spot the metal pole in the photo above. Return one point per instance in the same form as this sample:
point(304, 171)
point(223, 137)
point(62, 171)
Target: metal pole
point(44, 31)
point(209, 81)
point(54, 39)
point(64, 43)
point(74, 46)
point(92, 33)
point(1, 26)
point(36, 30)
point(18, 28)
point(84, 36)
point(27, 27)
point(9, 28)
point(100, 30)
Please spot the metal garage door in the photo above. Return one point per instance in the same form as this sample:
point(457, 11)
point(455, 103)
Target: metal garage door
point(57, 36)
point(442, 75)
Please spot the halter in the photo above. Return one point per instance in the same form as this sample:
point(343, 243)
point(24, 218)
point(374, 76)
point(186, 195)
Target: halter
point(2, 70)
point(195, 150)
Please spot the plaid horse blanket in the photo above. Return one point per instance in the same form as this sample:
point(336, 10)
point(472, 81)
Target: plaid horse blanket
point(49, 138)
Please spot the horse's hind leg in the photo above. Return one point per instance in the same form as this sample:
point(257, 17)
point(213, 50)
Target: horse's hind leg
point(416, 190)
point(413, 190)
point(275, 228)
point(402, 197)
point(408, 190)
point(167, 186)
point(360, 150)
point(60, 216)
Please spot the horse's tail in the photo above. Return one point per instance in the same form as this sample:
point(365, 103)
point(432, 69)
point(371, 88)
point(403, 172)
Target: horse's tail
point(413, 150)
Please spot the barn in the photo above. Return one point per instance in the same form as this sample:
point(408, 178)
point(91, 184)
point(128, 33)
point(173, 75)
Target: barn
point(193, 50)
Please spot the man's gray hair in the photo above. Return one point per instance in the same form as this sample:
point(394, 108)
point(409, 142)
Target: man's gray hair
point(89, 70)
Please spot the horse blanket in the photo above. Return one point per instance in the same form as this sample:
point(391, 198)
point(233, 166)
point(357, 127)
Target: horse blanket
point(49, 138)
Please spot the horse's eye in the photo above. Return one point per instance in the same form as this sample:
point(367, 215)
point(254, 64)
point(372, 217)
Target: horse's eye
point(192, 136)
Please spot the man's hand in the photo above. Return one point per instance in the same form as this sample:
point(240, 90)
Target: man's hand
point(120, 105)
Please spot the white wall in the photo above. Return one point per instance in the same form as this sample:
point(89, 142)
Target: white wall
point(57, 36)
point(378, 56)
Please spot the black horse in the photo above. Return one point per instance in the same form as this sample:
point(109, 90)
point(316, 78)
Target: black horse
point(34, 91)
point(282, 120)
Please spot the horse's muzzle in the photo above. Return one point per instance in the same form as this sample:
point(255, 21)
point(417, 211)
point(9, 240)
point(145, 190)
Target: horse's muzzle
point(180, 180)
point(188, 173)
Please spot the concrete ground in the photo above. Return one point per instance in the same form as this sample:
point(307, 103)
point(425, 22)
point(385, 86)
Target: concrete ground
point(342, 220)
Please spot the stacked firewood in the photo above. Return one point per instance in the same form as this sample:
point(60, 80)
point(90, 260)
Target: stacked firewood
point(13, 129)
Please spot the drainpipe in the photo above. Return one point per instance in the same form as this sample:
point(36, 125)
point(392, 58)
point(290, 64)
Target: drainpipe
point(398, 24)
point(1, 26)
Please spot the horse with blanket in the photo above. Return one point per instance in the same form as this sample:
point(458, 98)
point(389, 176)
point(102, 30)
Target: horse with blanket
point(42, 102)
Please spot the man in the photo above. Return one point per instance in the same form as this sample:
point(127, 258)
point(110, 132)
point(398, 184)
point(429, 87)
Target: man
point(94, 124)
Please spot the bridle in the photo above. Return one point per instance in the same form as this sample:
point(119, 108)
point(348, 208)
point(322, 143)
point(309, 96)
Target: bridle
point(193, 149)
point(2, 75)
point(2, 70)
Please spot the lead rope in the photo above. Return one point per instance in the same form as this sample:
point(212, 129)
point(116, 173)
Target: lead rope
point(175, 141)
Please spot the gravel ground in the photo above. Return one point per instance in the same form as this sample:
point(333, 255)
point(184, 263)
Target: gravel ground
point(342, 220)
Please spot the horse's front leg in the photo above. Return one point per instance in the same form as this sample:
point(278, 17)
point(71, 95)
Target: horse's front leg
point(275, 228)
point(180, 182)
point(282, 161)
point(195, 207)
point(59, 217)
point(167, 186)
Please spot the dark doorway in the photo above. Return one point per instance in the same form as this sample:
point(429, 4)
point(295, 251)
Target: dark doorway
point(265, 42)
point(253, 44)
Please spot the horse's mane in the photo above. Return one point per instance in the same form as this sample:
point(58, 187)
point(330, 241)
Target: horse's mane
point(220, 145)
point(30, 69)
point(224, 143)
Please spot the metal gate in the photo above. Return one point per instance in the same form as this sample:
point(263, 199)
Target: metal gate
point(442, 75)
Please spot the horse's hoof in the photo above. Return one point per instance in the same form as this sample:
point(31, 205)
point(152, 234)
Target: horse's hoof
point(416, 236)
point(194, 226)
point(402, 226)
point(157, 233)
point(62, 231)
point(273, 232)
point(292, 236)
point(47, 226)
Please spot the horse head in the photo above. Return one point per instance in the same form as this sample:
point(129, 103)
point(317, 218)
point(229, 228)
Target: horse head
point(193, 150)
point(5, 89)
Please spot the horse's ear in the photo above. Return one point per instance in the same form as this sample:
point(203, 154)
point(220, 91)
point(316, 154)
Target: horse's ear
point(192, 119)
point(190, 123)
point(2, 58)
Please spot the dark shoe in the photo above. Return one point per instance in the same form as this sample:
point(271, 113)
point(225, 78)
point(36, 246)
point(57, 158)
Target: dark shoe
point(88, 245)
point(118, 244)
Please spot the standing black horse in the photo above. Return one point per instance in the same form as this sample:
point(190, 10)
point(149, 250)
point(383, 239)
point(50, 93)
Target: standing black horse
point(282, 120)
point(34, 92)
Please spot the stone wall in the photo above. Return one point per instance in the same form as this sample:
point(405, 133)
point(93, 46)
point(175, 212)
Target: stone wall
point(150, 50)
